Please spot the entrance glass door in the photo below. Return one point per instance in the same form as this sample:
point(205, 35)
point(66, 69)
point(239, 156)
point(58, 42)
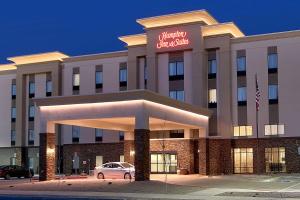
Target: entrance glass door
point(163, 164)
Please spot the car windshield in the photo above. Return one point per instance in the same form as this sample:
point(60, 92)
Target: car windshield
point(126, 165)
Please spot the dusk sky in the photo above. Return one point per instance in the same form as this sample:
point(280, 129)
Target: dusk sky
point(93, 26)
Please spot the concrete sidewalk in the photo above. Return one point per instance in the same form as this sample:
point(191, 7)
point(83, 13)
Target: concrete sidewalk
point(129, 196)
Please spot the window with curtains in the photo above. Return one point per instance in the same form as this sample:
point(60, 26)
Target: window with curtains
point(75, 134)
point(239, 131)
point(273, 94)
point(176, 71)
point(123, 77)
point(212, 98)
point(76, 79)
point(275, 159)
point(275, 129)
point(177, 94)
point(242, 96)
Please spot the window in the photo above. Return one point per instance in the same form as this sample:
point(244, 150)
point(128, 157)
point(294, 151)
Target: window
point(13, 138)
point(163, 163)
point(273, 94)
point(242, 96)
point(242, 131)
point(13, 91)
point(123, 77)
point(273, 61)
point(177, 94)
point(177, 134)
point(243, 160)
point(76, 81)
point(30, 137)
point(13, 114)
point(75, 133)
point(98, 135)
point(121, 136)
point(275, 159)
point(275, 129)
point(212, 98)
point(176, 71)
point(48, 88)
point(31, 112)
point(212, 68)
point(31, 89)
point(99, 79)
point(241, 65)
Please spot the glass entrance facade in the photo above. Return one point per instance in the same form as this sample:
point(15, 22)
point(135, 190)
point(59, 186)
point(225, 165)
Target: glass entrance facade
point(163, 163)
point(243, 160)
point(275, 159)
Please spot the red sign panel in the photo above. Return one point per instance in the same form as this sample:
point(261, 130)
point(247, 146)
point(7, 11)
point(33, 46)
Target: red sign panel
point(172, 39)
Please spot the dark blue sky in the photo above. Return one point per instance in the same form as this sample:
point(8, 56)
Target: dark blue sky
point(78, 27)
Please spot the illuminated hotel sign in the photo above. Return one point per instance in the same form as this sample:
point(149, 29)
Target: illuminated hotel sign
point(172, 39)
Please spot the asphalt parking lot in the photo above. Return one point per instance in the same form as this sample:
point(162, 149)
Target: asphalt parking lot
point(275, 186)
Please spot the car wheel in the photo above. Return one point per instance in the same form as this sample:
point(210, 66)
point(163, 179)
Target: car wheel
point(100, 176)
point(7, 177)
point(127, 176)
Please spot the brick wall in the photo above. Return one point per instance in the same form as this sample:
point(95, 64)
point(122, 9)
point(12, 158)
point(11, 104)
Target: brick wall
point(184, 148)
point(110, 152)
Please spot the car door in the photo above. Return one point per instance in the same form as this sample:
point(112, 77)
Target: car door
point(118, 171)
point(107, 170)
point(12, 171)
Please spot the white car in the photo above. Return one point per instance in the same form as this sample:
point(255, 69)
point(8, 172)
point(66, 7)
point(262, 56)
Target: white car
point(118, 170)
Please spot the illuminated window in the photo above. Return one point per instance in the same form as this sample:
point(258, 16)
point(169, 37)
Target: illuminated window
point(275, 129)
point(239, 131)
point(99, 77)
point(275, 159)
point(76, 79)
point(243, 160)
point(241, 64)
point(177, 94)
point(163, 163)
point(212, 96)
point(272, 61)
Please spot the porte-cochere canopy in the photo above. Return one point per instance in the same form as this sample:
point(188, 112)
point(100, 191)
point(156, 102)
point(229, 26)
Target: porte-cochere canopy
point(138, 111)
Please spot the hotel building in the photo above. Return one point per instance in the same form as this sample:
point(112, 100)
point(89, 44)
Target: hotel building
point(183, 92)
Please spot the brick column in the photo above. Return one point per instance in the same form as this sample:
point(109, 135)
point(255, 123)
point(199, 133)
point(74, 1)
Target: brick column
point(142, 154)
point(203, 156)
point(47, 156)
